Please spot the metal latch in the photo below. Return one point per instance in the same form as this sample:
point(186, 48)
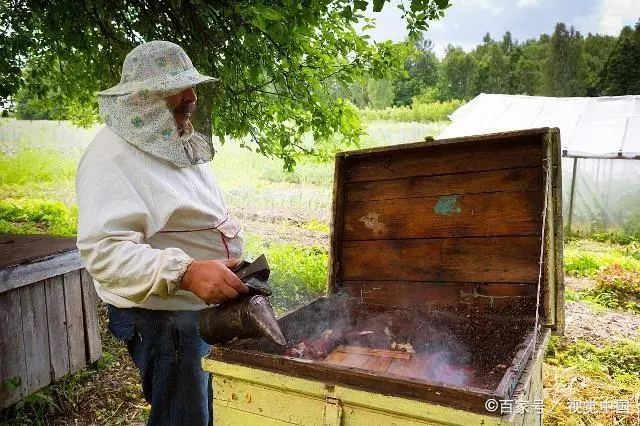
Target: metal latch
point(332, 411)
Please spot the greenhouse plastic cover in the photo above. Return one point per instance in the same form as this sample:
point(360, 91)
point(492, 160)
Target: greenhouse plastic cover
point(604, 127)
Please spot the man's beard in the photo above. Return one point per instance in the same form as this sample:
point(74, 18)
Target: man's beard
point(186, 109)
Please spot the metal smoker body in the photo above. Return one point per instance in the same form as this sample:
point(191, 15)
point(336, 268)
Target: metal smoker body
point(247, 316)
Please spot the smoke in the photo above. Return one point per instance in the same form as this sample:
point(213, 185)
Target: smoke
point(436, 354)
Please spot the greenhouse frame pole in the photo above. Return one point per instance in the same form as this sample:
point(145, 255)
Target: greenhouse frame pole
point(573, 190)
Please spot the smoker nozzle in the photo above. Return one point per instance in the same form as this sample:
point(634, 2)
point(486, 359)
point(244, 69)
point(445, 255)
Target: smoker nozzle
point(249, 316)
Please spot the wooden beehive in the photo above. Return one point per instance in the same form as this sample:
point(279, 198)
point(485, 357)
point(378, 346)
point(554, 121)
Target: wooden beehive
point(464, 235)
point(48, 314)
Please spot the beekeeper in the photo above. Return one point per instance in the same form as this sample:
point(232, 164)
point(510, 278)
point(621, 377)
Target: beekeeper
point(153, 229)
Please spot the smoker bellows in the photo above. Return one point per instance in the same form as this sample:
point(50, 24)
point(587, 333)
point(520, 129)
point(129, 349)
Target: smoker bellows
point(445, 282)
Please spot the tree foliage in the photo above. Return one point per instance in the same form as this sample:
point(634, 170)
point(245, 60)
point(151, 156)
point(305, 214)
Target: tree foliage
point(272, 58)
point(421, 66)
point(620, 74)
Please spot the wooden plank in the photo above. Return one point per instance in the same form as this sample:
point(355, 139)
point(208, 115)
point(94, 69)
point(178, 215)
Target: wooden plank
point(378, 363)
point(548, 277)
point(335, 357)
point(401, 367)
point(507, 180)
point(57, 322)
point(411, 260)
point(507, 385)
point(495, 259)
point(500, 259)
point(514, 136)
point(558, 230)
point(446, 159)
point(447, 216)
point(36, 336)
point(17, 249)
point(484, 297)
point(349, 349)
point(354, 360)
point(13, 370)
point(337, 224)
point(20, 275)
point(75, 323)
point(93, 343)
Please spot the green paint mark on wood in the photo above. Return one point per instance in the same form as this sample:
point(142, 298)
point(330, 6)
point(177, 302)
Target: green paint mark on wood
point(447, 205)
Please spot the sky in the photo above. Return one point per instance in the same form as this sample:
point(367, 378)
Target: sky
point(467, 21)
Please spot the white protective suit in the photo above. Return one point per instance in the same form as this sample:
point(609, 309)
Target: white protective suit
point(148, 203)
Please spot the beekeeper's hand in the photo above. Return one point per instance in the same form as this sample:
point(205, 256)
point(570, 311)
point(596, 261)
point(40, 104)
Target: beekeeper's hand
point(212, 280)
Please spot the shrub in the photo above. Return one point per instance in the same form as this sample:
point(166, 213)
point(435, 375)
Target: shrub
point(34, 166)
point(28, 216)
point(617, 360)
point(418, 111)
point(298, 274)
point(617, 279)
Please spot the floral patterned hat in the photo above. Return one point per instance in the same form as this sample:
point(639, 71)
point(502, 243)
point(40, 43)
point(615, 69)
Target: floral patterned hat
point(137, 110)
point(159, 66)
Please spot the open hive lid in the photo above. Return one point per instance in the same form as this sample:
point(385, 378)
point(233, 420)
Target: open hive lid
point(455, 224)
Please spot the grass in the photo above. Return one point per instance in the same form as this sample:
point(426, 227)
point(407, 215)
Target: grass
point(580, 371)
point(31, 165)
point(105, 393)
point(418, 112)
point(298, 273)
point(28, 216)
point(316, 225)
point(584, 258)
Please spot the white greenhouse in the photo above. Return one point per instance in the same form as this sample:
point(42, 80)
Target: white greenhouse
point(600, 140)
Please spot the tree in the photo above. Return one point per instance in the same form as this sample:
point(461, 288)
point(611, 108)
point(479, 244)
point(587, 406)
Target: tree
point(457, 72)
point(421, 66)
point(380, 93)
point(597, 49)
point(492, 72)
point(273, 58)
point(620, 74)
point(564, 70)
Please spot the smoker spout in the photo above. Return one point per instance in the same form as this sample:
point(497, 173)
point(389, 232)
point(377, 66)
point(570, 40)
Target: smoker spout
point(261, 315)
point(247, 317)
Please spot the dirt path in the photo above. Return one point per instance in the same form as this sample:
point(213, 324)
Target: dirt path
point(599, 328)
point(595, 326)
point(278, 229)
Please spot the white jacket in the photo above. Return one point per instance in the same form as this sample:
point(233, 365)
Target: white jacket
point(142, 220)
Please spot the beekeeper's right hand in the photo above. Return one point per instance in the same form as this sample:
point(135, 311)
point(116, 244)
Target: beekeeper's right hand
point(212, 280)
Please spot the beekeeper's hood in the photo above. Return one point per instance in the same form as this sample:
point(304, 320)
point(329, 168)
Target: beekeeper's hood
point(137, 110)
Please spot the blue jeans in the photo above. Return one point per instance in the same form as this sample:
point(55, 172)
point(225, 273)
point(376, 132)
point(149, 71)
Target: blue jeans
point(167, 348)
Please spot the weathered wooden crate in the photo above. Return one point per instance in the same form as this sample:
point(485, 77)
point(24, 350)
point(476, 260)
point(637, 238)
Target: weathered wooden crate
point(48, 314)
point(451, 240)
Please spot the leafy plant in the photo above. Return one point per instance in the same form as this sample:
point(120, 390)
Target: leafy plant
point(316, 225)
point(619, 360)
point(418, 111)
point(37, 216)
point(298, 273)
point(618, 279)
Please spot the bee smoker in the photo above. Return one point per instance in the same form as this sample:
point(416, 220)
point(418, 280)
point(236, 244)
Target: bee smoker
point(247, 316)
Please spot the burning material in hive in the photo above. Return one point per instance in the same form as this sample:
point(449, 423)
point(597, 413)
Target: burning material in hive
point(381, 353)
